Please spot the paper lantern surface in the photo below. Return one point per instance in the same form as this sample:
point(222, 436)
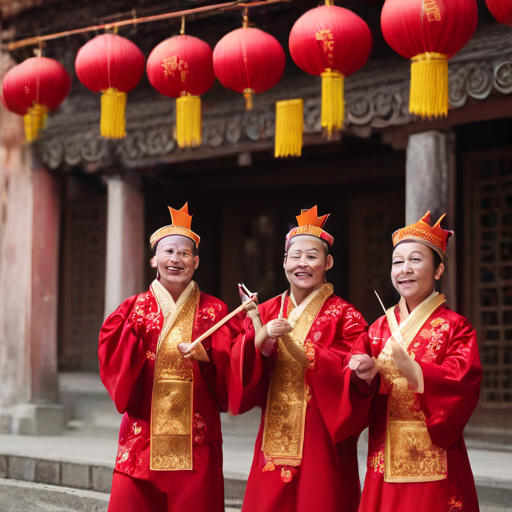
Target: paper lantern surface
point(501, 10)
point(330, 37)
point(249, 59)
point(181, 65)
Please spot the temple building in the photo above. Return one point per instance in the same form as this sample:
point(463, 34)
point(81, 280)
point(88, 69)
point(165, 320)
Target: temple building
point(77, 210)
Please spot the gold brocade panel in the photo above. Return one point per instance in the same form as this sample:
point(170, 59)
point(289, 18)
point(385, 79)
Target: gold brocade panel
point(285, 417)
point(410, 455)
point(172, 407)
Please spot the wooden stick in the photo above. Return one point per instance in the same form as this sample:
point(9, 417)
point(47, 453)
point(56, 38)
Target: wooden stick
point(393, 324)
point(218, 325)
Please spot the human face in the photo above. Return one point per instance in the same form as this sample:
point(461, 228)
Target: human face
point(413, 273)
point(306, 264)
point(176, 262)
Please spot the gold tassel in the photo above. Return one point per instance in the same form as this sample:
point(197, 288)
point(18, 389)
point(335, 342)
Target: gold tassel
point(188, 121)
point(248, 98)
point(429, 85)
point(113, 121)
point(333, 102)
point(34, 121)
point(289, 128)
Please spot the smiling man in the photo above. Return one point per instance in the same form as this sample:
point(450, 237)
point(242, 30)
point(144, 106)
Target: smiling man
point(290, 364)
point(170, 443)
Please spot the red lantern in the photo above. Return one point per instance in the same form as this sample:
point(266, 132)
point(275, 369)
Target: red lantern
point(430, 32)
point(32, 89)
point(501, 10)
point(248, 61)
point(331, 42)
point(181, 67)
point(113, 65)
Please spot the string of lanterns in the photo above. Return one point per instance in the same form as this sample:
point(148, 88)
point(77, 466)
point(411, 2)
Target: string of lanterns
point(327, 41)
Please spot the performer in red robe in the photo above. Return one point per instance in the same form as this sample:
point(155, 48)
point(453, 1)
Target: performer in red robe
point(305, 456)
point(430, 374)
point(170, 443)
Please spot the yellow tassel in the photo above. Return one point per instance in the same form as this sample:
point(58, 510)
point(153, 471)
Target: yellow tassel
point(34, 121)
point(429, 85)
point(248, 98)
point(113, 121)
point(188, 121)
point(333, 102)
point(289, 127)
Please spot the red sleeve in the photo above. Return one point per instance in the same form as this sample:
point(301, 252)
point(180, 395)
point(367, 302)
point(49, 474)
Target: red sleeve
point(216, 372)
point(343, 407)
point(121, 354)
point(452, 388)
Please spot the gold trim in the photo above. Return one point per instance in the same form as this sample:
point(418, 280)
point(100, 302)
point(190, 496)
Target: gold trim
point(285, 417)
point(173, 389)
point(410, 455)
point(173, 230)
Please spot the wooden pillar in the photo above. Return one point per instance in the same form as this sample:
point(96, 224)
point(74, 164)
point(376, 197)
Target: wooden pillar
point(430, 185)
point(125, 243)
point(28, 294)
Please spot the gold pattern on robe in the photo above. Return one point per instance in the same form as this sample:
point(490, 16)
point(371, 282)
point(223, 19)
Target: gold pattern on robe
point(285, 416)
point(171, 414)
point(410, 455)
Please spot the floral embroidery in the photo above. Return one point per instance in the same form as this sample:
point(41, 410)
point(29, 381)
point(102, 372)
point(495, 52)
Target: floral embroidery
point(455, 503)
point(142, 315)
point(334, 310)
point(199, 429)
point(376, 461)
point(136, 430)
point(152, 321)
point(150, 355)
point(435, 337)
point(309, 348)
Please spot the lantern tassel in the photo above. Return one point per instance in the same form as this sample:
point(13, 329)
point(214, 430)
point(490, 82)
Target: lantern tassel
point(289, 127)
point(188, 121)
point(333, 102)
point(34, 121)
point(113, 121)
point(429, 85)
point(248, 98)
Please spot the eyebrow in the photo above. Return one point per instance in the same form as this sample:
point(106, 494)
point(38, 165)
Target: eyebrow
point(309, 250)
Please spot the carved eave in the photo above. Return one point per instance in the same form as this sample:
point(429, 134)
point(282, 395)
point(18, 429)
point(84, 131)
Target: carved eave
point(376, 99)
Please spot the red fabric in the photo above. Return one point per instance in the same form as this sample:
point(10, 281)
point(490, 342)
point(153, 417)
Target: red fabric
point(248, 58)
point(330, 37)
point(327, 478)
point(446, 349)
point(109, 60)
point(36, 80)
point(412, 27)
point(501, 10)
point(180, 65)
point(127, 347)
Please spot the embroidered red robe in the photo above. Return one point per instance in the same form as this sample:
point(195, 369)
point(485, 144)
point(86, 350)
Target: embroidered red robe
point(127, 353)
point(326, 478)
point(446, 349)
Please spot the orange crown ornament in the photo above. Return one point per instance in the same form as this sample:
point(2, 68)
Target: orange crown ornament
point(181, 222)
point(310, 224)
point(434, 236)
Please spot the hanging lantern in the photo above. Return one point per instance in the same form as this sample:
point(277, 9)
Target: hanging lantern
point(249, 61)
point(331, 42)
point(430, 32)
point(501, 10)
point(33, 88)
point(181, 67)
point(113, 65)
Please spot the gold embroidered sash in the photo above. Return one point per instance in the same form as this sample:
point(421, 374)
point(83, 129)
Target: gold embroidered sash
point(283, 435)
point(410, 455)
point(172, 406)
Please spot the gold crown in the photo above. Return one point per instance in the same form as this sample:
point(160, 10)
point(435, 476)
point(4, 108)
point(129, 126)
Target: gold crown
point(181, 222)
point(309, 223)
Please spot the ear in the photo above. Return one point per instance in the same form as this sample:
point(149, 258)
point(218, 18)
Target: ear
point(329, 262)
point(196, 262)
point(439, 272)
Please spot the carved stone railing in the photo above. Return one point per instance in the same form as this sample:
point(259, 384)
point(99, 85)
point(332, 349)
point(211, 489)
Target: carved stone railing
point(376, 98)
